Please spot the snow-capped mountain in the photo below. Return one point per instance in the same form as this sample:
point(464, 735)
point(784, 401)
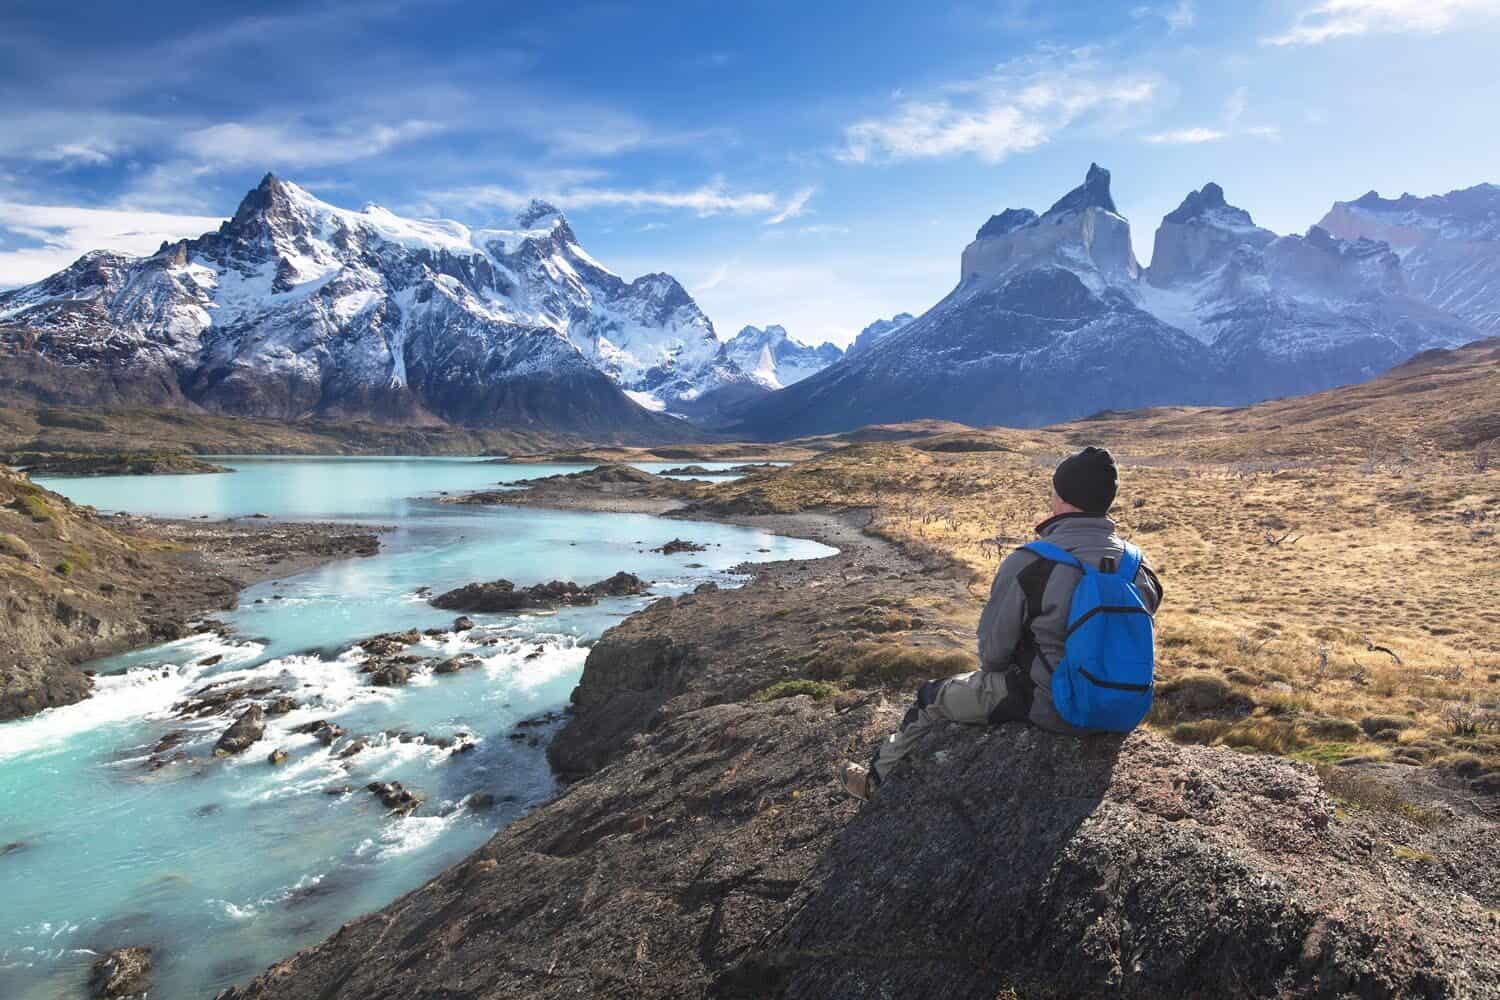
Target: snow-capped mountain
point(1044, 325)
point(296, 307)
point(1449, 246)
point(1054, 319)
point(773, 358)
point(1286, 314)
point(876, 331)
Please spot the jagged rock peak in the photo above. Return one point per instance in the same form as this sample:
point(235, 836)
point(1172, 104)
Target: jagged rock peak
point(1007, 222)
point(271, 196)
point(1092, 193)
point(540, 215)
point(1207, 201)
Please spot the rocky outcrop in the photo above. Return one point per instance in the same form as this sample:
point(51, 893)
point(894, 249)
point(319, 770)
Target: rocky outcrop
point(246, 730)
point(1200, 235)
point(1004, 859)
point(119, 464)
point(1082, 230)
point(124, 972)
point(1102, 868)
point(677, 545)
point(394, 796)
point(503, 596)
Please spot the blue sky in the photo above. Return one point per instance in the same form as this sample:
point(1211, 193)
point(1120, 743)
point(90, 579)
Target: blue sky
point(816, 165)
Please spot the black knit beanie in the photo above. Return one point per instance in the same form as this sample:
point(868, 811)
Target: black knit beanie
point(1087, 480)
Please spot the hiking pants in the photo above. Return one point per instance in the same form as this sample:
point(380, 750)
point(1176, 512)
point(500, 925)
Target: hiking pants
point(976, 698)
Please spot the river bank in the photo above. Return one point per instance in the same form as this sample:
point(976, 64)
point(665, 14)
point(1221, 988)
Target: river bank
point(146, 817)
point(704, 848)
point(81, 585)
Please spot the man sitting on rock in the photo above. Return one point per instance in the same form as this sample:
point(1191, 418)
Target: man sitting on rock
point(1031, 618)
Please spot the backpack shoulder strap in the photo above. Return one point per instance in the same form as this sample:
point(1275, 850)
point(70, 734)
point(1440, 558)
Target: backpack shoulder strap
point(1130, 563)
point(1056, 553)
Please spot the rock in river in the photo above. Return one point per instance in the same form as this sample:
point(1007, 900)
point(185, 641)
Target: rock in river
point(121, 973)
point(503, 595)
point(395, 797)
point(248, 728)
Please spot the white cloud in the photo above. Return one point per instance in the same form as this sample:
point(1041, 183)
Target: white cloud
point(1178, 16)
point(85, 153)
point(714, 198)
point(792, 207)
point(1187, 136)
point(1348, 18)
point(295, 144)
point(1016, 109)
point(66, 232)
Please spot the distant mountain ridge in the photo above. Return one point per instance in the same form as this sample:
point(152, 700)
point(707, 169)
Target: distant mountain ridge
point(1053, 319)
point(295, 307)
point(1449, 246)
point(774, 358)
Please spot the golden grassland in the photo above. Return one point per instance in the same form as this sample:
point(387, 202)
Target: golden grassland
point(1331, 563)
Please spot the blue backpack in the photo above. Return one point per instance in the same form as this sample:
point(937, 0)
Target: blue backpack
point(1105, 676)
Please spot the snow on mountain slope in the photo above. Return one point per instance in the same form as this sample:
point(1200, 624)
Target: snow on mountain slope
point(877, 331)
point(1449, 246)
point(1285, 314)
point(773, 358)
point(1053, 319)
point(1082, 233)
point(295, 307)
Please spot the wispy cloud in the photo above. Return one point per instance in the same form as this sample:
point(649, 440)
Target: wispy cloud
point(1348, 18)
point(793, 207)
point(62, 233)
point(298, 145)
point(1018, 108)
point(1235, 107)
point(1179, 16)
point(85, 153)
point(1187, 136)
point(714, 198)
point(712, 280)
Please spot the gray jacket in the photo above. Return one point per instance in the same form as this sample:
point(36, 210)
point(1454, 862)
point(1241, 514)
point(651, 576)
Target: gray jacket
point(1004, 642)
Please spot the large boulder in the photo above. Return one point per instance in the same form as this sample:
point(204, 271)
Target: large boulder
point(1018, 859)
point(503, 595)
point(248, 728)
point(123, 972)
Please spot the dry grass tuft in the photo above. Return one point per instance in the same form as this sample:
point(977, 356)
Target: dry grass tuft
point(1360, 792)
point(816, 690)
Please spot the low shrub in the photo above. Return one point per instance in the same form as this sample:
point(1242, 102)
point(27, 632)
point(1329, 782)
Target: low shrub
point(16, 547)
point(33, 506)
point(1326, 728)
point(1373, 725)
point(816, 690)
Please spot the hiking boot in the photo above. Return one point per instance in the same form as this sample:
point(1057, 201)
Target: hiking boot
point(860, 781)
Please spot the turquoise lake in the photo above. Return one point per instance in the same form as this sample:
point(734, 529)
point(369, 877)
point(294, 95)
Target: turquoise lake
point(224, 866)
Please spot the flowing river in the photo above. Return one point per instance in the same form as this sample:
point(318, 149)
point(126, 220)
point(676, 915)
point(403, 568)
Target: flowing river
point(222, 866)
